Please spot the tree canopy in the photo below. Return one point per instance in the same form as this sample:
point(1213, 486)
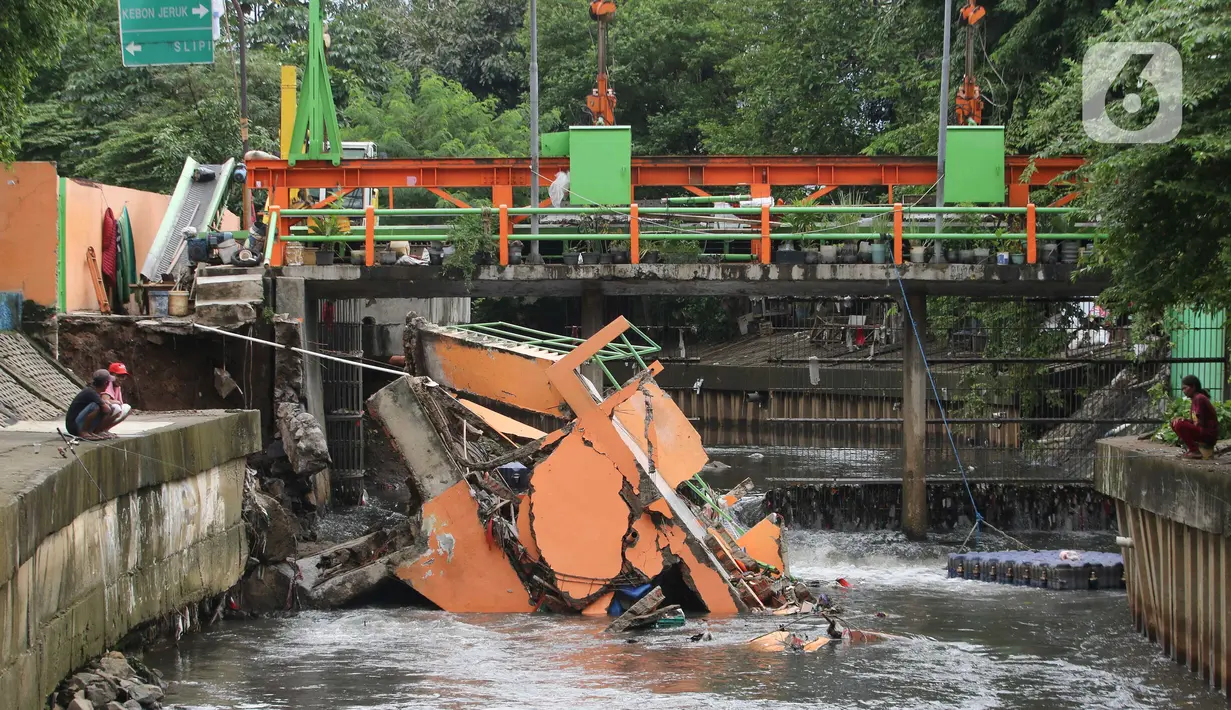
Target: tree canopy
point(449, 77)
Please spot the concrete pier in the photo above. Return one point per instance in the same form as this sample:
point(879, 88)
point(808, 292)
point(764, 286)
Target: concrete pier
point(1177, 514)
point(88, 563)
point(915, 393)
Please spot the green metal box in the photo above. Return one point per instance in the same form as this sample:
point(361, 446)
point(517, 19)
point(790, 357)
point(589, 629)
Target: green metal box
point(553, 145)
point(600, 165)
point(974, 164)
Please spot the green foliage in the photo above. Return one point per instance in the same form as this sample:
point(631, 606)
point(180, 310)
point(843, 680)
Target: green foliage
point(434, 116)
point(1181, 408)
point(1166, 207)
point(32, 34)
point(472, 42)
point(470, 235)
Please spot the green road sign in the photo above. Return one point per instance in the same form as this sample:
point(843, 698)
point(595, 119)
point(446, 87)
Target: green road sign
point(166, 32)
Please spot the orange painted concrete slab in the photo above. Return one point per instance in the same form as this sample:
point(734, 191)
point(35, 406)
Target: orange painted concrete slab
point(580, 519)
point(715, 593)
point(598, 607)
point(646, 555)
point(494, 373)
point(461, 572)
point(660, 428)
point(524, 534)
point(763, 543)
point(499, 422)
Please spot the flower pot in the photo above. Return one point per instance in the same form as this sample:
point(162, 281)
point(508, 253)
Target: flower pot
point(790, 256)
point(918, 255)
point(954, 256)
point(878, 253)
point(1069, 251)
point(1002, 258)
point(982, 256)
point(620, 256)
point(514, 257)
point(591, 258)
point(384, 258)
point(324, 257)
point(604, 258)
point(1049, 253)
point(829, 253)
point(571, 258)
point(865, 253)
point(966, 256)
point(358, 257)
point(651, 257)
point(1017, 259)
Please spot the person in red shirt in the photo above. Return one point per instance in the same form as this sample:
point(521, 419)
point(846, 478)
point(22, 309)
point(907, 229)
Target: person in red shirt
point(1199, 433)
point(113, 396)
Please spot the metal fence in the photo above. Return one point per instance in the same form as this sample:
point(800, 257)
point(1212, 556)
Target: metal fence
point(1027, 385)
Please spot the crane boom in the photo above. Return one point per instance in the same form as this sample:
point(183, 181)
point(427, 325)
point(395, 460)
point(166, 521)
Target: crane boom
point(602, 100)
point(969, 97)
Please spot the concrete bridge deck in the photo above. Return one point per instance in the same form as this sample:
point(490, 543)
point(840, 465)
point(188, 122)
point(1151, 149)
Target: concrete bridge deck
point(1038, 280)
point(153, 526)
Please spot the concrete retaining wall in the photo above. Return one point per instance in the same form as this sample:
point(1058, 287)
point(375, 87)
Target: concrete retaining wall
point(1176, 512)
point(80, 575)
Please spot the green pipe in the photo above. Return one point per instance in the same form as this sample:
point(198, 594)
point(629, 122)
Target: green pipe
point(624, 210)
point(699, 199)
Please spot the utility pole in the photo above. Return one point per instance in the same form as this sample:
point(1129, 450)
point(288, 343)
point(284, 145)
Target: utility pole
point(243, 105)
point(534, 127)
point(944, 124)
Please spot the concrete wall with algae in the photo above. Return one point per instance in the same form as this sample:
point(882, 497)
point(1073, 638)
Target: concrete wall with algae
point(79, 573)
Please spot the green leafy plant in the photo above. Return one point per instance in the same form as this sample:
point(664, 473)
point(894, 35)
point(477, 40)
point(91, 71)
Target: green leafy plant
point(470, 235)
point(1181, 408)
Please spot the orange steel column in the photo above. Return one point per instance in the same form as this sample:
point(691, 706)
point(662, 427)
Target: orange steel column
point(503, 195)
point(634, 234)
point(369, 236)
point(897, 232)
point(1031, 229)
point(765, 234)
point(1019, 194)
point(504, 235)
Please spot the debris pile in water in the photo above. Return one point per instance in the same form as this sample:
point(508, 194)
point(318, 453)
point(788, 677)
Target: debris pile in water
point(607, 510)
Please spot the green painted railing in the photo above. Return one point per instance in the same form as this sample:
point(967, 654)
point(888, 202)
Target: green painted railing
point(761, 239)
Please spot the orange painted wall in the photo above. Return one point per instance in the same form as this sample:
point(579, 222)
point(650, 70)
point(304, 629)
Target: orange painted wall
point(28, 216)
point(29, 221)
point(83, 228)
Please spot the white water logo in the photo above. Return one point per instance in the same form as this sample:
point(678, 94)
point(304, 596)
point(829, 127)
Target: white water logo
point(1100, 70)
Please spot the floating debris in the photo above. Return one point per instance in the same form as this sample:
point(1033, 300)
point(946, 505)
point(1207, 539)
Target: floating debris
point(1051, 569)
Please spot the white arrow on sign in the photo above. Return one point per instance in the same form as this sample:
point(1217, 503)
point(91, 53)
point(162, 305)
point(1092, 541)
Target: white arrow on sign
point(133, 48)
point(199, 11)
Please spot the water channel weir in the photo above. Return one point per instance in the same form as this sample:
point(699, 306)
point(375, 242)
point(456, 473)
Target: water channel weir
point(1176, 516)
point(112, 535)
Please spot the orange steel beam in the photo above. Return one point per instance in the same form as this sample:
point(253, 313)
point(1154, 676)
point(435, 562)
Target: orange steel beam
point(545, 202)
point(456, 202)
point(696, 190)
point(1066, 199)
point(825, 191)
point(667, 171)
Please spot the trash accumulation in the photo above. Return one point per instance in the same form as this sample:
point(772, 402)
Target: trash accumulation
point(607, 515)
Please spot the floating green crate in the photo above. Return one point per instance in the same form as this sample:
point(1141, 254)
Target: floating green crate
point(600, 165)
point(974, 164)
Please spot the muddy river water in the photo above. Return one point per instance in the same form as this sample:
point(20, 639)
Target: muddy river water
point(967, 645)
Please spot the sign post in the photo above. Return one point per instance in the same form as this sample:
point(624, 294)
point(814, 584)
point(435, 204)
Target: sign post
point(157, 32)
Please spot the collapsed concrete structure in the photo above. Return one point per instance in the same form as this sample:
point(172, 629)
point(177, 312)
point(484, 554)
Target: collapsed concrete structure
point(515, 519)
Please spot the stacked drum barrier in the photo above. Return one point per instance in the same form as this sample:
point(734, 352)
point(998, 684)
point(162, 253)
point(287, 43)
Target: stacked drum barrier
point(1041, 568)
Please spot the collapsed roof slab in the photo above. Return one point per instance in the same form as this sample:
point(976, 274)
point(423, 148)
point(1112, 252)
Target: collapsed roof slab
point(398, 409)
point(461, 571)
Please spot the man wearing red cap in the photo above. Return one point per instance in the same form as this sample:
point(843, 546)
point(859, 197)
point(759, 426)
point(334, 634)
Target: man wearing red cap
point(113, 396)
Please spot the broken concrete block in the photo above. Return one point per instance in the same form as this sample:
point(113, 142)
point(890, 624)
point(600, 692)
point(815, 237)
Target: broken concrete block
point(461, 570)
point(303, 439)
point(398, 409)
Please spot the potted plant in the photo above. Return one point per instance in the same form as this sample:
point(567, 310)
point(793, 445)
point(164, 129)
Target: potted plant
point(799, 225)
point(571, 255)
point(679, 251)
point(515, 249)
point(620, 251)
point(1014, 248)
point(918, 251)
point(470, 242)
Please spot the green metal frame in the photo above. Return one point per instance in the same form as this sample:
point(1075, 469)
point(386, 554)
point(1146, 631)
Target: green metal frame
point(316, 135)
point(620, 349)
point(61, 247)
